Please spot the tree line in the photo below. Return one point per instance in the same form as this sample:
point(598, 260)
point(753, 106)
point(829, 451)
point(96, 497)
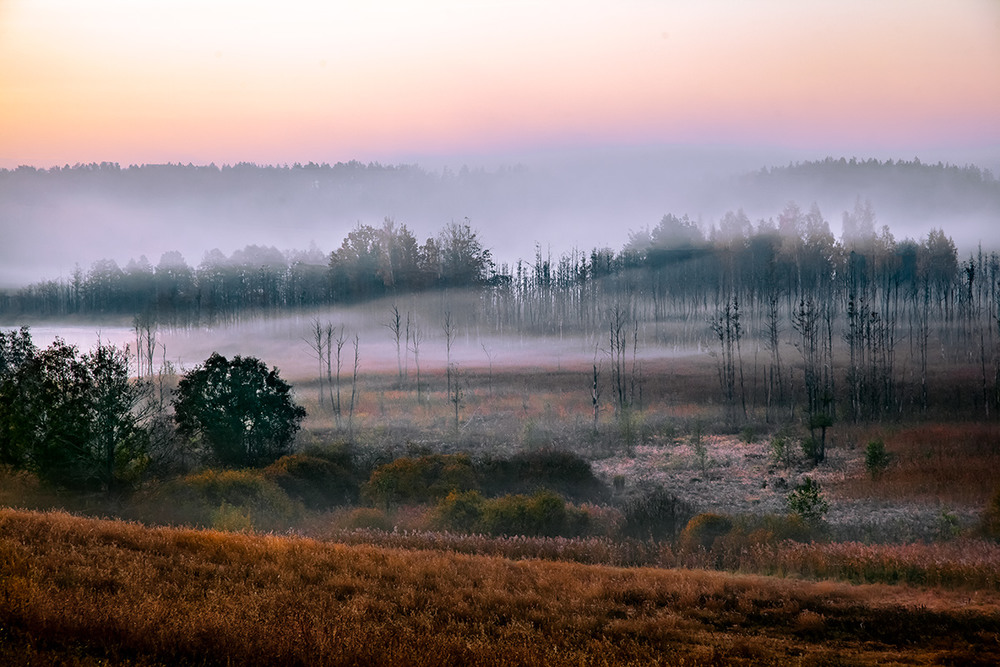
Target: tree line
point(370, 262)
point(96, 422)
point(798, 320)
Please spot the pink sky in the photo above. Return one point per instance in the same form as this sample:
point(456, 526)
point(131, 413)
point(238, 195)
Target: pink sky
point(225, 81)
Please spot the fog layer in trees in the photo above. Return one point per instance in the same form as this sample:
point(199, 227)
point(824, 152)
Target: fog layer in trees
point(51, 219)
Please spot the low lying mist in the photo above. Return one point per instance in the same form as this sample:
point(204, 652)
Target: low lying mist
point(285, 341)
point(54, 220)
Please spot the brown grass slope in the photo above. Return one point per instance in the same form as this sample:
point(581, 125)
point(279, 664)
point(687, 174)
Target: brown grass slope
point(87, 592)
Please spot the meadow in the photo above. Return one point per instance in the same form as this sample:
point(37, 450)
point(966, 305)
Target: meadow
point(78, 591)
point(512, 526)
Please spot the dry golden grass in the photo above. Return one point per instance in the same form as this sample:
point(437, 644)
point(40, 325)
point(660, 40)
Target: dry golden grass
point(946, 462)
point(967, 564)
point(88, 592)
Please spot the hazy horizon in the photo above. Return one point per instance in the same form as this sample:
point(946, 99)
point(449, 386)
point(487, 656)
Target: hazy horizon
point(561, 201)
point(620, 112)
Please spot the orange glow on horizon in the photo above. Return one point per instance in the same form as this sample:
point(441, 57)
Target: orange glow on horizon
point(230, 81)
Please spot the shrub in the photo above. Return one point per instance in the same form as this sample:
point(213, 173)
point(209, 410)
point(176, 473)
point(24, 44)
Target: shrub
point(419, 480)
point(769, 529)
point(657, 515)
point(776, 528)
point(991, 517)
point(594, 521)
point(460, 511)
point(781, 450)
point(368, 518)
point(231, 518)
point(542, 514)
point(704, 529)
point(876, 458)
point(948, 525)
point(212, 497)
point(806, 500)
point(316, 482)
point(812, 447)
point(564, 472)
point(338, 452)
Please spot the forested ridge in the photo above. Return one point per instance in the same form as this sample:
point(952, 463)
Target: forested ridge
point(923, 191)
point(868, 315)
point(53, 218)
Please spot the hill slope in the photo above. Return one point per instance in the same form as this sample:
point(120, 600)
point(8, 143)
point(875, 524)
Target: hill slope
point(79, 591)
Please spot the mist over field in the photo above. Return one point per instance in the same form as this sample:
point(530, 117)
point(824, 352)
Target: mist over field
point(561, 200)
point(499, 333)
point(284, 340)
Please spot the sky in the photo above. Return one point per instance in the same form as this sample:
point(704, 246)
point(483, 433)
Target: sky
point(224, 81)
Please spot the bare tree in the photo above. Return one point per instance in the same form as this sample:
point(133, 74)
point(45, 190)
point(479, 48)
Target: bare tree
point(336, 338)
point(490, 356)
point(729, 332)
point(317, 343)
point(819, 397)
point(416, 337)
point(775, 391)
point(456, 396)
point(354, 383)
point(406, 343)
point(144, 327)
point(395, 327)
point(595, 391)
point(449, 338)
point(619, 336)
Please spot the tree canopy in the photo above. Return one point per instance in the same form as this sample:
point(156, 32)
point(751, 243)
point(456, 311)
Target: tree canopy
point(241, 411)
point(75, 421)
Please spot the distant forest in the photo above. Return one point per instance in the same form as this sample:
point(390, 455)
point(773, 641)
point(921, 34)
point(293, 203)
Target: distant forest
point(941, 191)
point(45, 214)
point(920, 190)
point(870, 316)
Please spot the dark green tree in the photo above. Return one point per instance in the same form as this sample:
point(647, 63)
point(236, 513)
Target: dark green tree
point(44, 413)
point(16, 347)
point(120, 411)
point(464, 260)
point(76, 422)
point(241, 411)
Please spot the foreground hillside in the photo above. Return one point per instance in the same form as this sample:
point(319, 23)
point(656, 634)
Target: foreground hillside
point(86, 592)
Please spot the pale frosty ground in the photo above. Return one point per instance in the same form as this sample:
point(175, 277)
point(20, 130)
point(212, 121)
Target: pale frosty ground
point(741, 478)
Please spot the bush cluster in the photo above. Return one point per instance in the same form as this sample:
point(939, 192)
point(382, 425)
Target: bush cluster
point(564, 472)
point(656, 515)
point(226, 500)
point(421, 480)
point(726, 538)
point(314, 480)
point(542, 514)
point(427, 479)
point(704, 530)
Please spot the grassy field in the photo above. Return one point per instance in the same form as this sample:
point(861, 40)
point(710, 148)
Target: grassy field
point(899, 573)
point(77, 591)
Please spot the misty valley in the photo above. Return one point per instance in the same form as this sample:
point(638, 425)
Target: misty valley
point(746, 440)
